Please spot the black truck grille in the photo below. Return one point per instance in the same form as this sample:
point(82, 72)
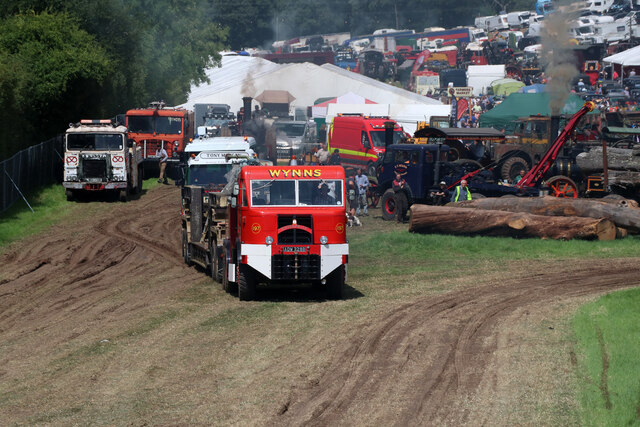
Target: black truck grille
point(295, 267)
point(92, 168)
point(295, 235)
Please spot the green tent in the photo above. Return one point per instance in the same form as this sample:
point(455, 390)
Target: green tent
point(517, 105)
point(505, 86)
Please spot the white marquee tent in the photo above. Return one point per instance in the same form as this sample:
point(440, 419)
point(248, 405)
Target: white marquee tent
point(627, 58)
point(249, 76)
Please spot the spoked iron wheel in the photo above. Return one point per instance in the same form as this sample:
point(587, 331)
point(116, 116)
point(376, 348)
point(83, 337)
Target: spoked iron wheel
point(562, 186)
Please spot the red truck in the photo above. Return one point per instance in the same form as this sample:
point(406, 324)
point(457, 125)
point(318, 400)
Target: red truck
point(160, 126)
point(360, 139)
point(271, 224)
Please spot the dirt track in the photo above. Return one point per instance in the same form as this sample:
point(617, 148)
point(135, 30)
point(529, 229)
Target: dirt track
point(420, 363)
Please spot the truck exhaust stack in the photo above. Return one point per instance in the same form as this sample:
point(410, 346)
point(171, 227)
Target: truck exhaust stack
point(246, 101)
point(388, 133)
point(555, 128)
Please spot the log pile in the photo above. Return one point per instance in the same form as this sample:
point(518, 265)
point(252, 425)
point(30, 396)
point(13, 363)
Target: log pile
point(623, 165)
point(469, 221)
point(547, 218)
point(620, 213)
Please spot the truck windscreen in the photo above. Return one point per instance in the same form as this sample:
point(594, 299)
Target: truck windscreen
point(290, 129)
point(296, 192)
point(207, 175)
point(155, 124)
point(377, 137)
point(94, 141)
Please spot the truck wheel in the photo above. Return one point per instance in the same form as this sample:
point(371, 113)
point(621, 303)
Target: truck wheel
point(371, 169)
point(388, 205)
point(246, 283)
point(512, 167)
point(70, 195)
point(216, 263)
point(228, 286)
point(139, 182)
point(185, 248)
point(124, 194)
point(335, 283)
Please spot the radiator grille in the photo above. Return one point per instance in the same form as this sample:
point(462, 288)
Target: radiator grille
point(94, 168)
point(295, 267)
point(295, 235)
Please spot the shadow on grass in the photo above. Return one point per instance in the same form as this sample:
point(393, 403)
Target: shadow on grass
point(300, 293)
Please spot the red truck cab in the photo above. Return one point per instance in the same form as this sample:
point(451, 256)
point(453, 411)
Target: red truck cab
point(160, 126)
point(288, 226)
point(360, 139)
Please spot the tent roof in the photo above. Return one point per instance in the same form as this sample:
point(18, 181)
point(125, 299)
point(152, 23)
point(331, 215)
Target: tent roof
point(347, 98)
point(275, 97)
point(627, 57)
point(517, 105)
point(240, 76)
point(505, 86)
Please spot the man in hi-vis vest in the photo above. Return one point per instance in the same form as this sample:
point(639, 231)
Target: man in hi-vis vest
point(461, 192)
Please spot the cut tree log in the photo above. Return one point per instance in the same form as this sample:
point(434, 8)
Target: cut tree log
point(468, 221)
point(624, 178)
point(617, 159)
point(623, 217)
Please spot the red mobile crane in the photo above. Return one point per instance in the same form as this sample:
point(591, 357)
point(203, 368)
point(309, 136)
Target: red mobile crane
point(560, 186)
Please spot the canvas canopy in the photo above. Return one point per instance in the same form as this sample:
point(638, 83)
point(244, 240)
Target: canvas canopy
point(505, 86)
point(275, 97)
point(627, 58)
point(517, 105)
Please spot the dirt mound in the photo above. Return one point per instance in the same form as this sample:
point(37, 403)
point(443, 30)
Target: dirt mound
point(424, 362)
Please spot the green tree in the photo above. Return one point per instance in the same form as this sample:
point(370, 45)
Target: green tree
point(44, 57)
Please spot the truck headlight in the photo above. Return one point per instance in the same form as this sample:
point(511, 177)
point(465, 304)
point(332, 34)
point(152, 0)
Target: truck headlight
point(324, 240)
point(268, 240)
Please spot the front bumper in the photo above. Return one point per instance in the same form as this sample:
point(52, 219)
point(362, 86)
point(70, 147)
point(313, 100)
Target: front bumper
point(94, 186)
point(315, 264)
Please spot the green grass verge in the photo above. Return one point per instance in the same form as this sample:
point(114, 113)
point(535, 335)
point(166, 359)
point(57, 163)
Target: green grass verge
point(50, 207)
point(608, 345)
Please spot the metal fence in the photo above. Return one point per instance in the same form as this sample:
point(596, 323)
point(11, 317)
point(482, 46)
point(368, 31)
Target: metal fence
point(31, 168)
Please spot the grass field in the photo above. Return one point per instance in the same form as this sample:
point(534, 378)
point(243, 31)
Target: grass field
point(49, 207)
point(387, 265)
point(608, 336)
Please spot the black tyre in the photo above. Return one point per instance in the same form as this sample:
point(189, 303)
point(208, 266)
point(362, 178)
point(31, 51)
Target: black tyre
point(228, 286)
point(246, 283)
point(124, 194)
point(511, 168)
point(185, 248)
point(388, 202)
point(216, 263)
point(371, 169)
point(139, 182)
point(70, 195)
point(335, 283)
point(468, 165)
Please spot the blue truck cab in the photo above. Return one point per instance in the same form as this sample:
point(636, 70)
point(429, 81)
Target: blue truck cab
point(424, 166)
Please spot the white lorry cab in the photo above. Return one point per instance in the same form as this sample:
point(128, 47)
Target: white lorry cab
point(209, 160)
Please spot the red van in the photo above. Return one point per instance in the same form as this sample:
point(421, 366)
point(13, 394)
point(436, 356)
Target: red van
point(360, 139)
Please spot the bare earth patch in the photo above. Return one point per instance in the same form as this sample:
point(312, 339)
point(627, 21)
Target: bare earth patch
point(101, 321)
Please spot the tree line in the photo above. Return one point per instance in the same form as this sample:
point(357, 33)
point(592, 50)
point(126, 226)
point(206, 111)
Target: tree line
point(63, 60)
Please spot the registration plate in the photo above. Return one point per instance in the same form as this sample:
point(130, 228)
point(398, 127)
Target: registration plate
point(296, 249)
